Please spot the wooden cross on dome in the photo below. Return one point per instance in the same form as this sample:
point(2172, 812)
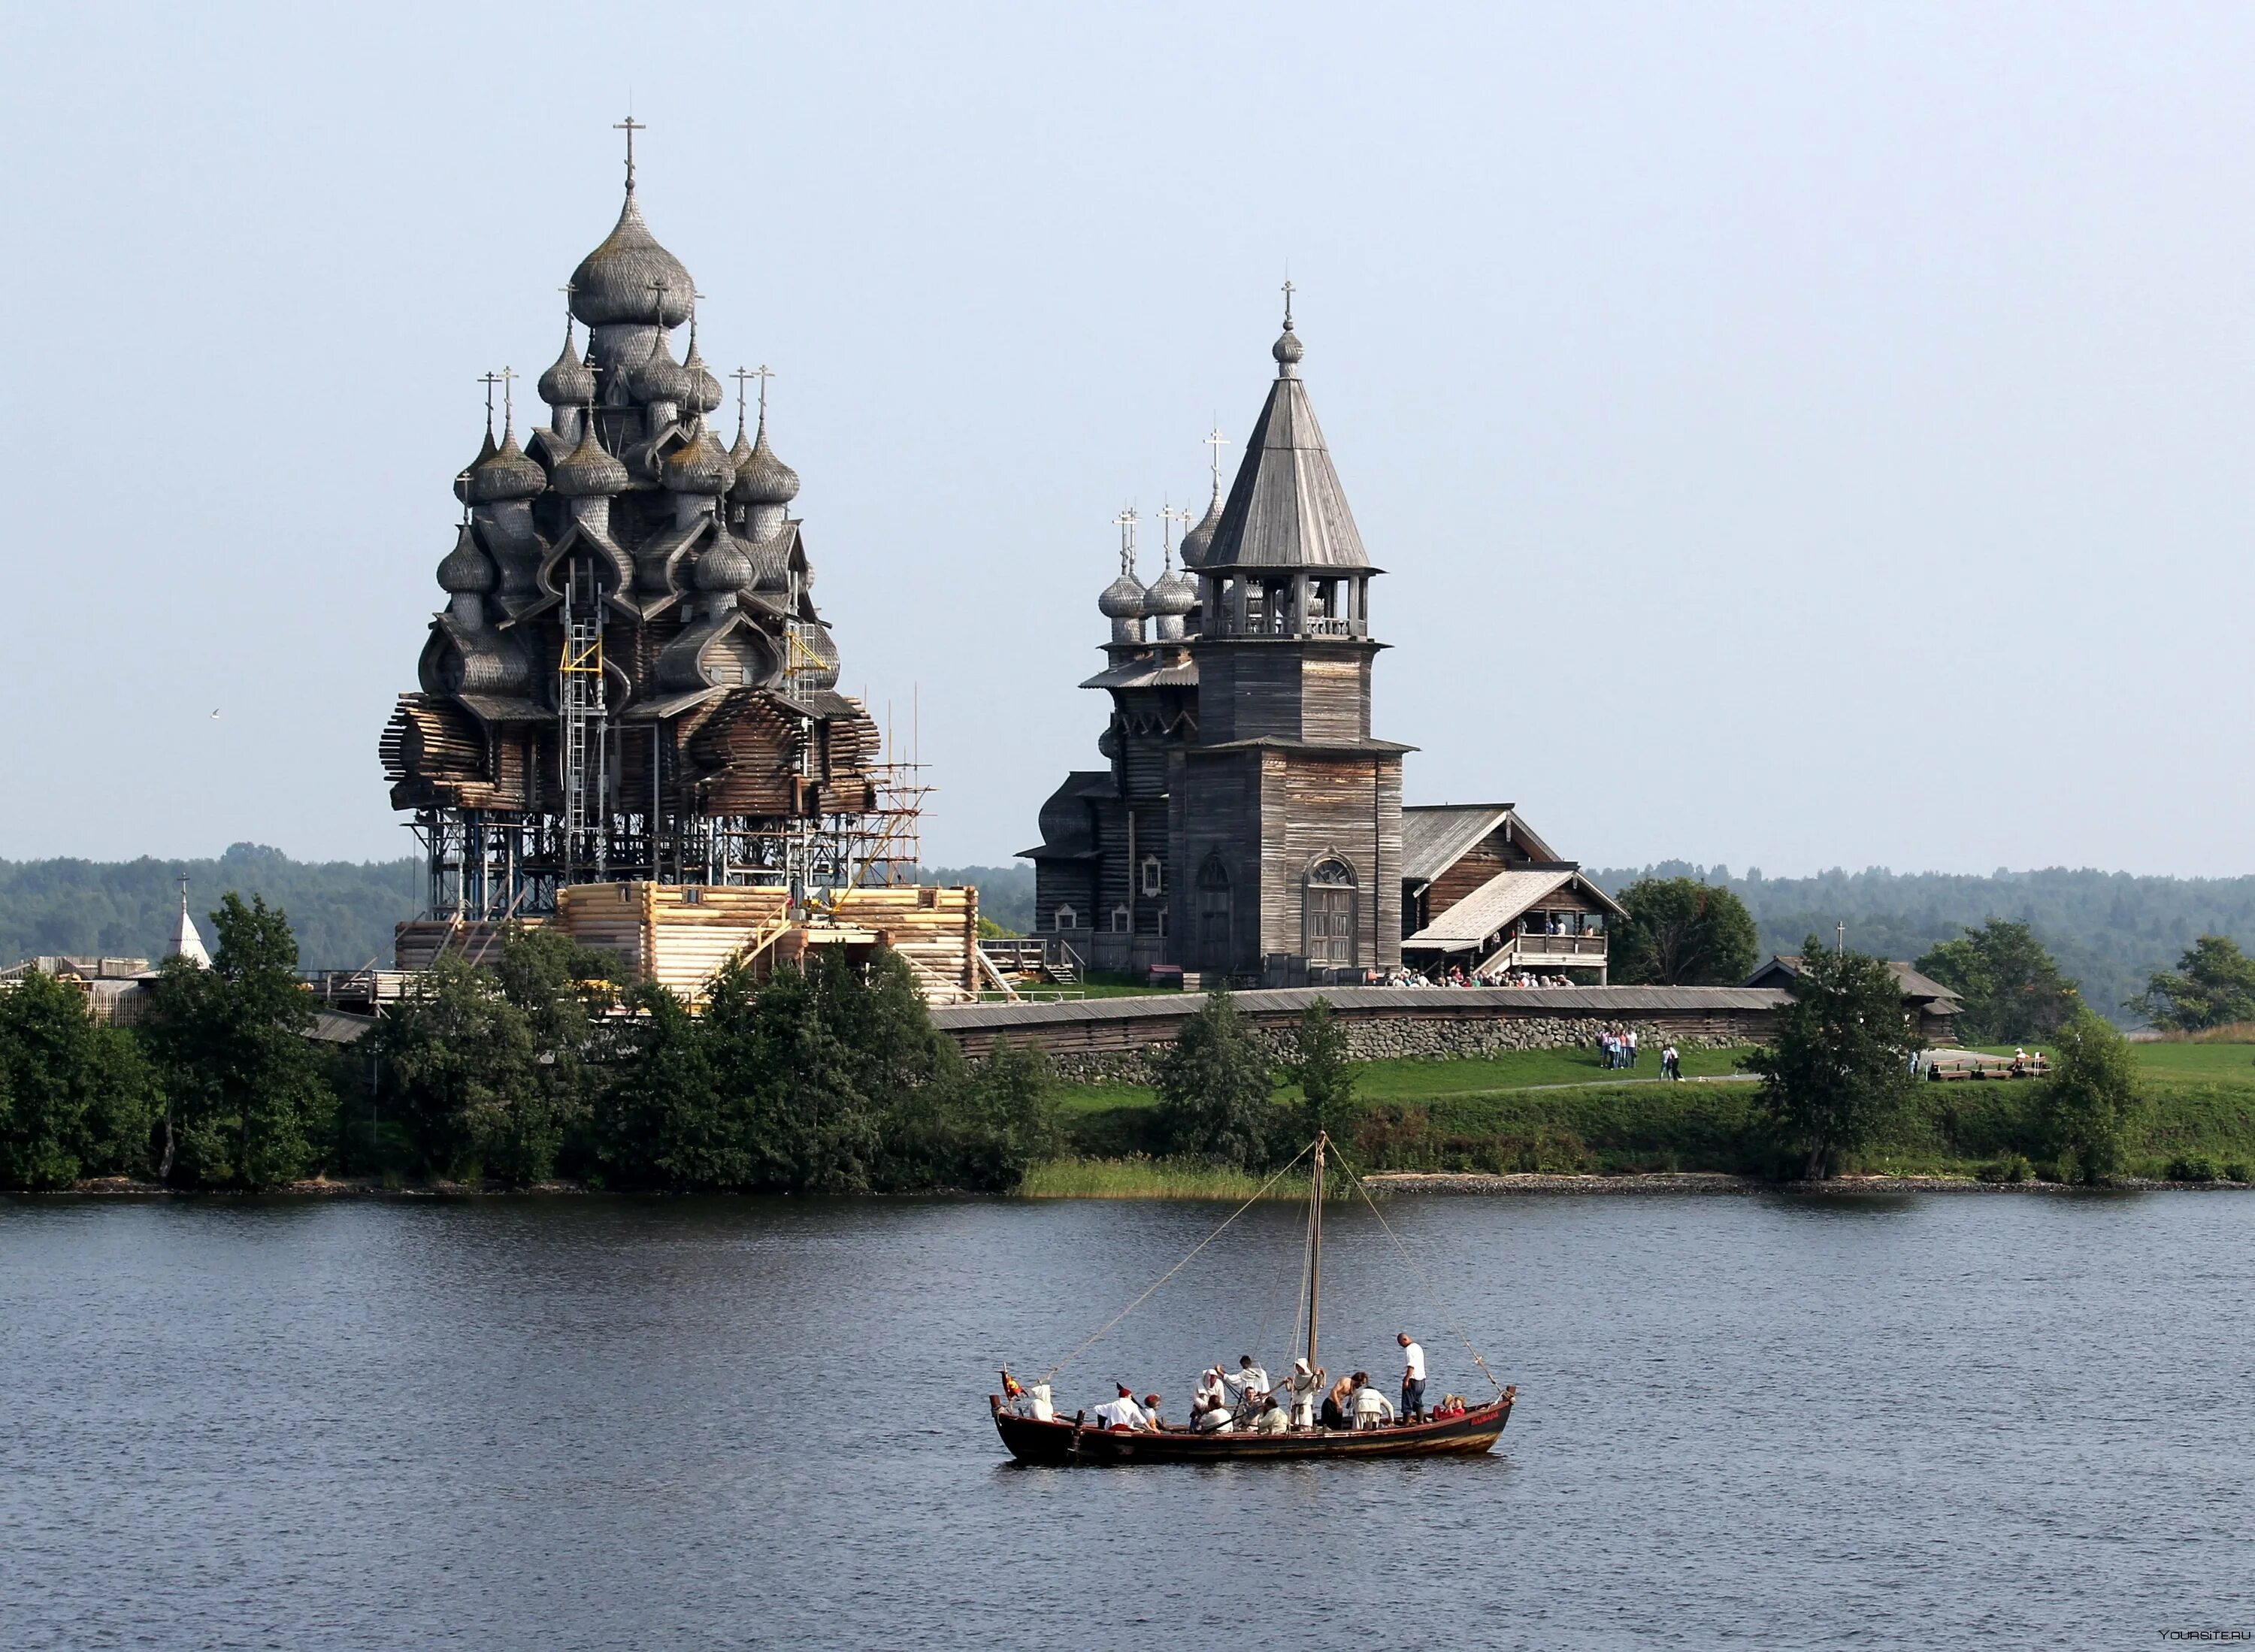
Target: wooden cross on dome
point(629, 126)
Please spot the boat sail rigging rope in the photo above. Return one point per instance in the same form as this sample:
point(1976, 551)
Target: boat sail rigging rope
point(1050, 1375)
point(1308, 1254)
point(1432, 1295)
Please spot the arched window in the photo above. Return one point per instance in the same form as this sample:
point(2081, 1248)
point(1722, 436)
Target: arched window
point(1067, 918)
point(1329, 914)
point(1214, 937)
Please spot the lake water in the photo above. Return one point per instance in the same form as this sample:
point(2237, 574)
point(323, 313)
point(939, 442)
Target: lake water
point(560, 1424)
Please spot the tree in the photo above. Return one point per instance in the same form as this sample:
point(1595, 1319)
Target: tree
point(2214, 986)
point(74, 1095)
point(661, 1122)
point(2010, 986)
point(455, 1061)
point(560, 987)
point(1214, 1086)
point(245, 1101)
point(1839, 1068)
point(2088, 1103)
point(1320, 1067)
point(1681, 932)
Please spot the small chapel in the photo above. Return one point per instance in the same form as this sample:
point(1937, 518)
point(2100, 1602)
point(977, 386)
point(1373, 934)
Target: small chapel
point(1249, 826)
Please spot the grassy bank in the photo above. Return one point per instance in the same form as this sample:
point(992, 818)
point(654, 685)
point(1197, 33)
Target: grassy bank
point(1560, 1111)
point(1146, 1178)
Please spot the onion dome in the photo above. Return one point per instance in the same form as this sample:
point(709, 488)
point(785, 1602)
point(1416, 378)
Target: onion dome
point(462, 481)
point(511, 473)
point(1122, 599)
point(727, 566)
point(1172, 594)
point(700, 466)
point(614, 283)
point(705, 393)
point(762, 479)
point(589, 470)
point(571, 382)
point(740, 454)
point(658, 377)
point(466, 567)
point(1288, 350)
point(1199, 537)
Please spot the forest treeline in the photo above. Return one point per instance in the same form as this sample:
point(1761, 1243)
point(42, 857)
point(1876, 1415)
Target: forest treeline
point(541, 1065)
point(2108, 930)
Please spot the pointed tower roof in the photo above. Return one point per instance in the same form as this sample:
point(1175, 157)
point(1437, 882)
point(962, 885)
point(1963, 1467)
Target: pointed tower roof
point(186, 942)
point(1286, 510)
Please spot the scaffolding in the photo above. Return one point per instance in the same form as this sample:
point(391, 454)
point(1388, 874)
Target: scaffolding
point(583, 727)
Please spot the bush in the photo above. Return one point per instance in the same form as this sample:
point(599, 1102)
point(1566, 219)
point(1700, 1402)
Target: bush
point(2235, 1172)
point(2011, 1169)
point(2193, 1167)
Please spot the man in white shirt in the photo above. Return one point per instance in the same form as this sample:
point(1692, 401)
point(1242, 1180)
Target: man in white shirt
point(1248, 1383)
point(1413, 1378)
point(1122, 1412)
point(1370, 1405)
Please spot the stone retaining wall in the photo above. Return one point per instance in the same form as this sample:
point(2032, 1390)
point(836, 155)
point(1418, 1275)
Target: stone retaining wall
point(1376, 1039)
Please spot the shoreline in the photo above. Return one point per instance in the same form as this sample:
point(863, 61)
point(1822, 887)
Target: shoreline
point(1468, 1183)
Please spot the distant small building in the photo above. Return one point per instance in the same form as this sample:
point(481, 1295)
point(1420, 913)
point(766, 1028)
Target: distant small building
point(1935, 1005)
point(116, 988)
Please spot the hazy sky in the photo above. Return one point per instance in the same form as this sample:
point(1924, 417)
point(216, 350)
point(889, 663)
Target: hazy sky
point(1795, 435)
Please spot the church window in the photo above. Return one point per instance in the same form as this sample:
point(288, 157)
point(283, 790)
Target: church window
point(1330, 913)
point(1155, 875)
point(1067, 918)
point(1121, 919)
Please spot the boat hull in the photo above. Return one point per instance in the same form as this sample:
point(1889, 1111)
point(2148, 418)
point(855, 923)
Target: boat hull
point(1068, 1440)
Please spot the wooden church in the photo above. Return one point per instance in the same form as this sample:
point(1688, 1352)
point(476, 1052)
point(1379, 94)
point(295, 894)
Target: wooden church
point(1250, 824)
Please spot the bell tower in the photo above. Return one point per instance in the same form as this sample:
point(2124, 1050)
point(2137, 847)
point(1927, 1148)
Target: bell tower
point(1287, 812)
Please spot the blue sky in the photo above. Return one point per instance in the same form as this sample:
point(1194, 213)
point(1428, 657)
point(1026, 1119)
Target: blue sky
point(1796, 434)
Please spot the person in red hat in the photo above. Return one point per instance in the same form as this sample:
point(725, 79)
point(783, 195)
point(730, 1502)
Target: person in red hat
point(1122, 1412)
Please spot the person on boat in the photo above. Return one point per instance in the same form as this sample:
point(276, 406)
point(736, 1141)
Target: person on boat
point(1151, 1417)
point(1122, 1412)
point(1413, 1377)
point(1249, 1384)
point(1369, 1404)
point(1034, 1402)
point(1302, 1385)
point(1215, 1419)
point(1339, 1404)
point(1210, 1391)
point(1273, 1419)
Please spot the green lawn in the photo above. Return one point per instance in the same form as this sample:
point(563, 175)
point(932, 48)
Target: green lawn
point(1562, 1110)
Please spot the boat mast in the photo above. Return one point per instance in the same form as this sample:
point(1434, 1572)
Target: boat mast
point(1316, 1249)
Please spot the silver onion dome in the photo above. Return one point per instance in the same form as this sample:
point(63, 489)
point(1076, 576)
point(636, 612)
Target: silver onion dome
point(727, 567)
point(1122, 599)
point(658, 377)
point(466, 567)
point(588, 470)
point(1171, 595)
point(485, 452)
point(700, 466)
point(705, 393)
point(1199, 538)
point(571, 382)
point(511, 473)
point(631, 278)
point(1288, 350)
point(764, 478)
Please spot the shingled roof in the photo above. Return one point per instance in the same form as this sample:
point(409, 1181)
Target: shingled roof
point(1285, 508)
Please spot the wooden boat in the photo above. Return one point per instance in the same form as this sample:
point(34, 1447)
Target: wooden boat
point(1072, 1441)
point(1063, 1441)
